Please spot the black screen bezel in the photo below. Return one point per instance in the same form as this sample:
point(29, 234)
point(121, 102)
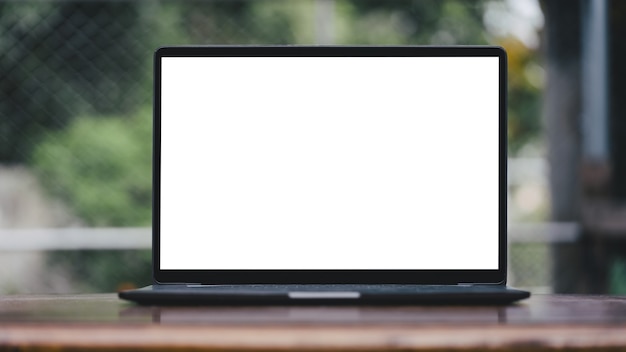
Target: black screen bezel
point(497, 276)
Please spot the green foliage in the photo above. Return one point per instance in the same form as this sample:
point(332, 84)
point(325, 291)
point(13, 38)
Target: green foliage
point(526, 79)
point(102, 168)
point(617, 277)
point(283, 22)
point(402, 22)
point(530, 264)
point(105, 270)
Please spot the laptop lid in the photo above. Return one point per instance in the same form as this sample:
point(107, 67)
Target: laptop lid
point(329, 165)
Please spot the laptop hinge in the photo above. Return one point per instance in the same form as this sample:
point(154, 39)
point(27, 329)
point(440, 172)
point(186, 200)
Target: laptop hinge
point(464, 284)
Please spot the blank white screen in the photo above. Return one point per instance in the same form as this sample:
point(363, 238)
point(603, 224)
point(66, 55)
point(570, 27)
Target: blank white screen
point(329, 163)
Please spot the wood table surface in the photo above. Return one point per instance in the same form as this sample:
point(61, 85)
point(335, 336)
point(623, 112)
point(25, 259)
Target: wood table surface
point(102, 321)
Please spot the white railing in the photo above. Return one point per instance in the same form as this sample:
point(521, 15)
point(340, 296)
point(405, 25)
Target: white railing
point(74, 238)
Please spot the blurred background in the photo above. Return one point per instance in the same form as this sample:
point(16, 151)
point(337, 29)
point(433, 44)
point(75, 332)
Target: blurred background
point(75, 124)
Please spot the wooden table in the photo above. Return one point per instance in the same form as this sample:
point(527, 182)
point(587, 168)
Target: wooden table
point(545, 322)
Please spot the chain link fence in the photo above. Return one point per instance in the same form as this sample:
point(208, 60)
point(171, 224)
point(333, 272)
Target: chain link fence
point(75, 98)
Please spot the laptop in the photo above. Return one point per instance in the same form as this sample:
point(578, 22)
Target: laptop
point(329, 175)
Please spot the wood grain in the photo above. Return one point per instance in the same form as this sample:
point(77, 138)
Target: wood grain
point(102, 322)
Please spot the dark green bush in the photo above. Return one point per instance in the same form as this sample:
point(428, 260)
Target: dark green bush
point(101, 167)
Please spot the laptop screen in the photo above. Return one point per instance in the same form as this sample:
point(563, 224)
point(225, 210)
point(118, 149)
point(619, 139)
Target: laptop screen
point(329, 162)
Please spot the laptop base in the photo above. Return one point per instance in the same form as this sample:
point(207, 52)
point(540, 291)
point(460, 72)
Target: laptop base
point(324, 295)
